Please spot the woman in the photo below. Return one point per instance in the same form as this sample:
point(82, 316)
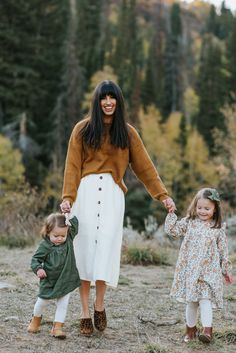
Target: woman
point(100, 150)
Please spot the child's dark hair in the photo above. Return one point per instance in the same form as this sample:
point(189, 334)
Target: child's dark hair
point(53, 220)
point(212, 195)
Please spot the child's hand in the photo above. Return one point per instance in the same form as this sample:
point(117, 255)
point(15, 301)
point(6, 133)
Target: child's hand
point(41, 273)
point(228, 278)
point(169, 204)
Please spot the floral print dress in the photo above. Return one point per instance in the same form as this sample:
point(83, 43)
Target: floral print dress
point(203, 259)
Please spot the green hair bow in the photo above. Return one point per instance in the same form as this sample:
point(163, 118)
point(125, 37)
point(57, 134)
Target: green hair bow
point(214, 195)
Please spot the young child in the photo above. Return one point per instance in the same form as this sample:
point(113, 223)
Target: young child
point(203, 259)
point(54, 263)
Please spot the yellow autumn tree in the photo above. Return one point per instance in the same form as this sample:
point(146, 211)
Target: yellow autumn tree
point(191, 103)
point(184, 169)
point(225, 144)
point(161, 142)
point(201, 170)
point(11, 167)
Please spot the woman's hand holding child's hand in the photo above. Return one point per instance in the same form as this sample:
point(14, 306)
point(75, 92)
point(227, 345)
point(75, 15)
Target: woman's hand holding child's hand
point(169, 204)
point(41, 273)
point(228, 278)
point(65, 206)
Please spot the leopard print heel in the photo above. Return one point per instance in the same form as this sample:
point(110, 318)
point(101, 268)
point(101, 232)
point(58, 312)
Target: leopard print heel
point(100, 320)
point(86, 327)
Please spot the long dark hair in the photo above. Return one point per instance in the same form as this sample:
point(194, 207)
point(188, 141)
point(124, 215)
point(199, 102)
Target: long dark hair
point(212, 195)
point(93, 131)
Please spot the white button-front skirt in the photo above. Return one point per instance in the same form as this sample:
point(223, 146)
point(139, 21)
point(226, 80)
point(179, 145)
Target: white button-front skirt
point(99, 207)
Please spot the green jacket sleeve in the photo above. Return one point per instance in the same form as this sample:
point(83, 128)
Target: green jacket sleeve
point(39, 257)
point(73, 229)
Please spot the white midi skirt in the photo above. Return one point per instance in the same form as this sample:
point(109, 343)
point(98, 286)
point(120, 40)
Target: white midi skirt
point(99, 207)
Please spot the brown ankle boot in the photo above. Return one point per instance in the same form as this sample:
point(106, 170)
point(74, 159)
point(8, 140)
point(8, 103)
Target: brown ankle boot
point(206, 335)
point(190, 334)
point(34, 325)
point(57, 330)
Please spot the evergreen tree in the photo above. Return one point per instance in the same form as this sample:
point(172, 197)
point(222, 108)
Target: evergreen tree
point(153, 82)
point(231, 61)
point(127, 51)
point(31, 37)
point(219, 25)
point(212, 91)
point(91, 52)
point(68, 111)
point(226, 20)
point(172, 81)
point(212, 24)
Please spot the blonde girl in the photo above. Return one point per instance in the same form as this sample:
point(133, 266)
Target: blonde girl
point(202, 263)
point(54, 264)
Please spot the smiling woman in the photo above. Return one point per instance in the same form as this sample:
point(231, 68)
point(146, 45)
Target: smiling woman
point(100, 150)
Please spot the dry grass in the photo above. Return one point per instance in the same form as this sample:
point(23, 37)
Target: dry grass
point(143, 292)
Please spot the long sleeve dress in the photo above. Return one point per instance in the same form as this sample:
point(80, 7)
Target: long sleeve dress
point(203, 259)
point(58, 261)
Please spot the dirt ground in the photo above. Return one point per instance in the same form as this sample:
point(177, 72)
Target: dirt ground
point(141, 316)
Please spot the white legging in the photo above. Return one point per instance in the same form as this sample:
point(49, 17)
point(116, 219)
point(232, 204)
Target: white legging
point(61, 311)
point(205, 313)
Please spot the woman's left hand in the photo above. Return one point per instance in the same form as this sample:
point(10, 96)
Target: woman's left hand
point(169, 204)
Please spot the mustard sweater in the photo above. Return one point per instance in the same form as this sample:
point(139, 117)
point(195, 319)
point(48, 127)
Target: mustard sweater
point(82, 160)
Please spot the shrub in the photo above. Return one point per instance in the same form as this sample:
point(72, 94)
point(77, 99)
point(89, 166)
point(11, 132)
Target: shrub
point(144, 255)
point(20, 217)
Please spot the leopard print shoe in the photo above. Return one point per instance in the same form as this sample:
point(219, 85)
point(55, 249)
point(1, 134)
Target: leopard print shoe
point(100, 320)
point(86, 327)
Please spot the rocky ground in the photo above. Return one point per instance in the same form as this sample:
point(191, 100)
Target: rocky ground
point(141, 316)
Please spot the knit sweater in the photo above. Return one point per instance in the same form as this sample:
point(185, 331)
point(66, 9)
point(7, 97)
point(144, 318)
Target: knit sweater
point(83, 160)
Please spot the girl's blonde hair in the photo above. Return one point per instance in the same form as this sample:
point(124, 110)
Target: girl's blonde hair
point(212, 195)
point(51, 221)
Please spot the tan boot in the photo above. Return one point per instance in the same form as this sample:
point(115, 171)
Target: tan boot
point(190, 334)
point(206, 335)
point(34, 325)
point(57, 330)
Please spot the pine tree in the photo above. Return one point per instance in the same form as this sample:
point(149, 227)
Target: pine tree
point(152, 90)
point(231, 61)
point(172, 81)
point(68, 107)
point(212, 24)
point(31, 38)
point(226, 20)
point(212, 90)
point(126, 54)
point(91, 52)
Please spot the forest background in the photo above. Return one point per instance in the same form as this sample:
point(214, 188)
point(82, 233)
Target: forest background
point(176, 65)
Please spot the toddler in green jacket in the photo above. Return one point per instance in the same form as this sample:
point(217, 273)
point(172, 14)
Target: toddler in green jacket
point(54, 263)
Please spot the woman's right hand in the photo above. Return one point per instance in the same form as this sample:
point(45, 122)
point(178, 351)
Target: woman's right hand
point(65, 206)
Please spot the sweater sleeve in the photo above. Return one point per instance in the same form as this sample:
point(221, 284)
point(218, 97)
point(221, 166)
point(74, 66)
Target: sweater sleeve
point(223, 251)
point(174, 227)
point(73, 166)
point(39, 257)
point(144, 168)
